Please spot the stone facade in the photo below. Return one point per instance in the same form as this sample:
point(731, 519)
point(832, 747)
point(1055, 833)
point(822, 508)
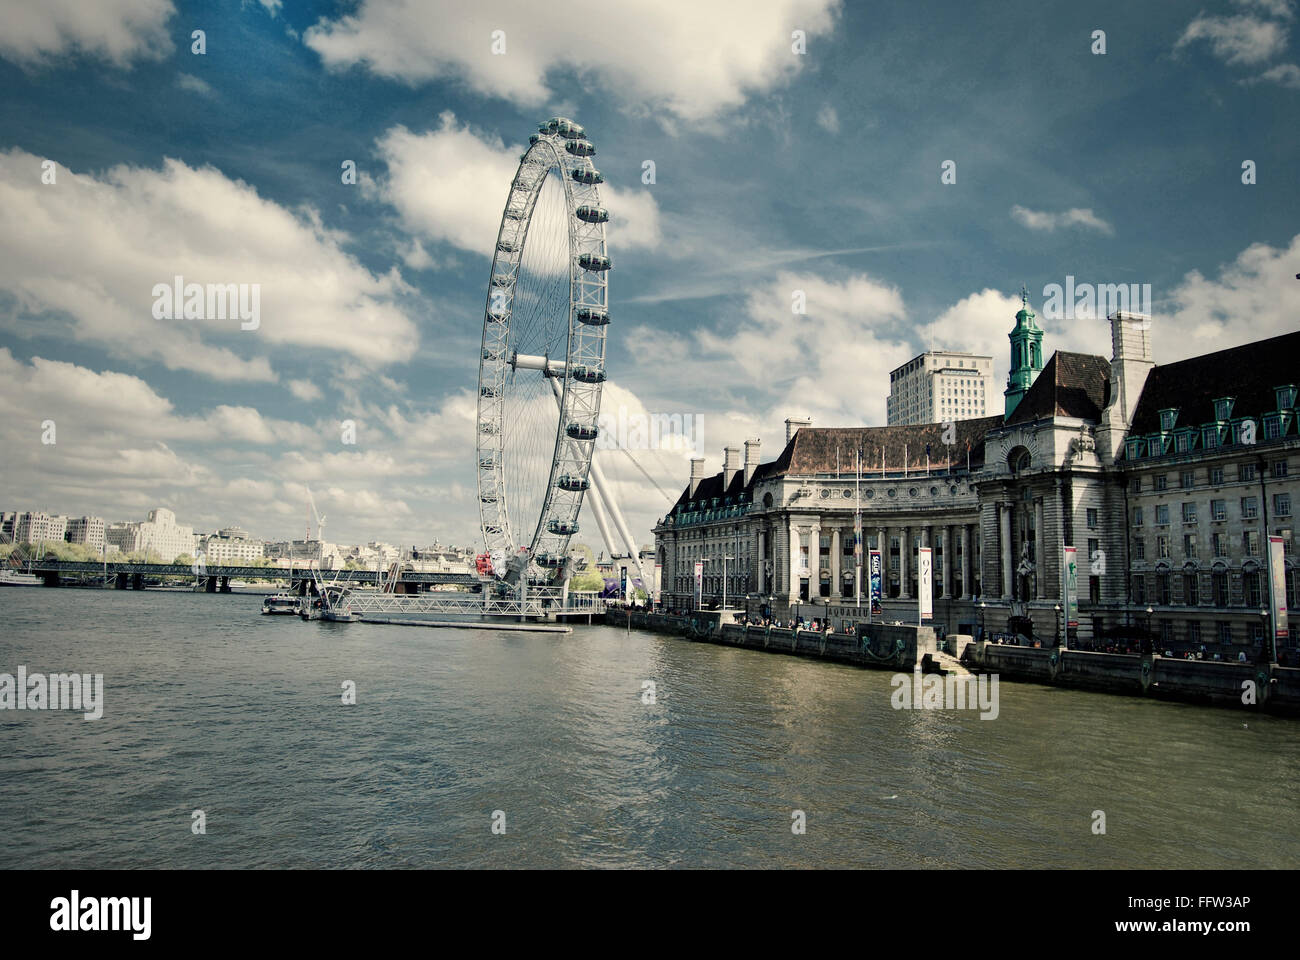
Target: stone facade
point(1007, 493)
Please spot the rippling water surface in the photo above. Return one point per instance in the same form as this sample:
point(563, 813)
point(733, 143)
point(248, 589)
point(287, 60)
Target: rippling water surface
point(211, 706)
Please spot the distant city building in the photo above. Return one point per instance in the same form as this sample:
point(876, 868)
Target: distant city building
point(159, 534)
point(939, 387)
point(7, 520)
point(230, 547)
point(88, 531)
point(33, 527)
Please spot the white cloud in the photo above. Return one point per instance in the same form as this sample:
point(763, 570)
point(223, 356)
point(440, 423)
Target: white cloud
point(450, 185)
point(1284, 74)
point(87, 251)
point(828, 119)
point(1239, 40)
point(1274, 8)
point(690, 59)
point(195, 85)
point(1048, 221)
point(1254, 297)
point(119, 31)
point(304, 390)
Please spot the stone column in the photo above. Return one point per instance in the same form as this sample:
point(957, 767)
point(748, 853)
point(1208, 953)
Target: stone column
point(966, 567)
point(836, 557)
point(1040, 557)
point(815, 560)
point(947, 562)
point(904, 552)
point(1004, 536)
point(793, 585)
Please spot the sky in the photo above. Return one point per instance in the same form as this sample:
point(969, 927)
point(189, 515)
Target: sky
point(799, 150)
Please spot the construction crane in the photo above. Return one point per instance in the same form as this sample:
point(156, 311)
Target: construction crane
point(320, 521)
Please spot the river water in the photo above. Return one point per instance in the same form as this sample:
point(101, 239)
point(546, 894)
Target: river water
point(210, 706)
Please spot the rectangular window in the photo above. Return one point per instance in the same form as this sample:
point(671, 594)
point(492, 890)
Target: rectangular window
point(1189, 546)
point(1250, 542)
point(1137, 516)
point(1191, 589)
point(1094, 548)
point(1094, 590)
point(1216, 476)
point(1251, 581)
point(1194, 631)
point(1220, 544)
point(1162, 547)
point(1220, 584)
point(1092, 518)
point(1187, 479)
point(1189, 512)
point(1225, 632)
point(1162, 482)
point(1162, 589)
point(1139, 589)
point(1245, 472)
point(1136, 485)
point(1139, 549)
point(1218, 509)
point(1279, 468)
point(1162, 514)
point(1282, 504)
point(1249, 508)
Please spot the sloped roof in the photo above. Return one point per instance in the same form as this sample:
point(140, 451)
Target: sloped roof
point(812, 450)
point(1249, 373)
point(1071, 385)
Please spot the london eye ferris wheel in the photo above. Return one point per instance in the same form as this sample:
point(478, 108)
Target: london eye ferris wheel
point(543, 356)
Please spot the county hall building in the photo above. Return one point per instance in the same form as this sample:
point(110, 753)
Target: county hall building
point(1168, 480)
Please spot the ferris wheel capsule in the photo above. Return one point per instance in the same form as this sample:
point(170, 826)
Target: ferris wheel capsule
point(586, 176)
point(589, 214)
point(594, 262)
point(592, 317)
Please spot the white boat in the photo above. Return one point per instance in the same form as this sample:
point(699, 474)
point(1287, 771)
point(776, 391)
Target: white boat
point(281, 603)
point(12, 578)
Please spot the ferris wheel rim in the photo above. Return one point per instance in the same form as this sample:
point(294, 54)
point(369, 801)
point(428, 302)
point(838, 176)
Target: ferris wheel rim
point(559, 148)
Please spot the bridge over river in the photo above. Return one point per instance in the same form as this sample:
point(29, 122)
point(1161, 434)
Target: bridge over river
point(216, 579)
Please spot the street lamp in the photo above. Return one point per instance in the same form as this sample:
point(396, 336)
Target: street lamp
point(1057, 621)
point(1150, 611)
point(725, 558)
point(1264, 637)
point(983, 606)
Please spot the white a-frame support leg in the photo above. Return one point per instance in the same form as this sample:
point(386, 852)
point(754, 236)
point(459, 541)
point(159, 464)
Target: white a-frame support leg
point(604, 507)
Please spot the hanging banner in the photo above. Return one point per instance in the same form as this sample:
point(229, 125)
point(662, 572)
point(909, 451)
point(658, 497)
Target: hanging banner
point(659, 582)
point(925, 582)
point(699, 582)
point(875, 574)
point(1070, 588)
point(1277, 585)
point(857, 540)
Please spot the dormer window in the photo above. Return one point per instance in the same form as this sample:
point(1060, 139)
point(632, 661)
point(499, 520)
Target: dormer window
point(1168, 417)
point(1223, 408)
point(1285, 396)
point(1134, 449)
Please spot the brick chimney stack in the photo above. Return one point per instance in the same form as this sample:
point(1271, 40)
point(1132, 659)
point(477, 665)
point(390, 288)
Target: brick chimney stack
point(792, 425)
point(751, 459)
point(697, 473)
point(730, 464)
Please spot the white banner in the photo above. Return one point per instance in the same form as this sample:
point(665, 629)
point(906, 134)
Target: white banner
point(925, 582)
point(1277, 586)
point(699, 582)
